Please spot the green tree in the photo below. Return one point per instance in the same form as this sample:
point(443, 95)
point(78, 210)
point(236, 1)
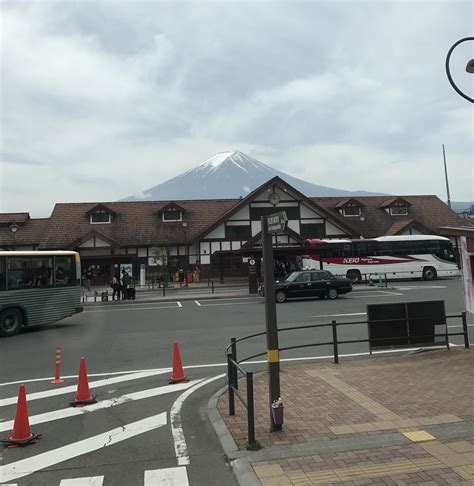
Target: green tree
point(165, 262)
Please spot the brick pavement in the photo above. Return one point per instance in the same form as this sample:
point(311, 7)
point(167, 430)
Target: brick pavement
point(421, 406)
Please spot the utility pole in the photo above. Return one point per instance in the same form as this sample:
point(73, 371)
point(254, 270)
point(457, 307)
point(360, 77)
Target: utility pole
point(446, 177)
point(270, 226)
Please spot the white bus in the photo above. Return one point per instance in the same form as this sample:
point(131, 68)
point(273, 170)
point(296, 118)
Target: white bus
point(38, 287)
point(393, 257)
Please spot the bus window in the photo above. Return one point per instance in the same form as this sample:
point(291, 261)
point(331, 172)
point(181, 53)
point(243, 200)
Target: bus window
point(64, 271)
point(27, 272)
point(3, 276)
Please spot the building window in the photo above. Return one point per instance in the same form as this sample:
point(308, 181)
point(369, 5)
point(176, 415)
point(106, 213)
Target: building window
point(399, 209)
point(238, 233)
point(100, 217)
point(172, 215)
point(351, 210)
point(312, 230)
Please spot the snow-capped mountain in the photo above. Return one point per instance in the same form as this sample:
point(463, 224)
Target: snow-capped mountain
point(230, 175)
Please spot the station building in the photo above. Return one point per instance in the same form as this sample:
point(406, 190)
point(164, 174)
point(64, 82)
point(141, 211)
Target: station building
point(219, 235)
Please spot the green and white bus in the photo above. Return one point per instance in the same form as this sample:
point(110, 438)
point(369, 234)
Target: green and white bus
point(38, 287)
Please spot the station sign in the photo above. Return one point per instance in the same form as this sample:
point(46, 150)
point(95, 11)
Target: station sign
point(277, 222)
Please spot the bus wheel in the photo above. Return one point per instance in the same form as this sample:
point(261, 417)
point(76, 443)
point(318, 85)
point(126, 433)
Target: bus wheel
point(280, 296)
point(429, 273)
point(11, 321)
point(354, 276)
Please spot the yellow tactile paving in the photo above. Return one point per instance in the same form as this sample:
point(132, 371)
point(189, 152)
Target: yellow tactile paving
point(418, 436)
point(448, 456)
point(362, 400)
point(467, 472)
point(394, 424)
point(461, 446)
point(276, 481)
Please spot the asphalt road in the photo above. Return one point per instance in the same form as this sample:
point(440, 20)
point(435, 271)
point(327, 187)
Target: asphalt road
point(124, 338)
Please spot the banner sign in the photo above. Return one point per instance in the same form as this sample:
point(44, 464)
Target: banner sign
point(467, 276)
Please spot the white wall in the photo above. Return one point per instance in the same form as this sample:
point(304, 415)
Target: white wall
point(333, 230)
point(256, 227)
point(242, 213)
point(305, 212)
point(218, 232)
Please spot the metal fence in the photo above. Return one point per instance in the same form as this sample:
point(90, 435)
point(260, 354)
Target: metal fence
point(234, 365)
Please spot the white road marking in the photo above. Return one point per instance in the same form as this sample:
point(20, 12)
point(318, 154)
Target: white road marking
point(180, 446)
point(72, 388)
point(179, 304)
point(135, 308)
point(370, 296)
point(229, 303)
point(71, 412)
point(30, 465)
point(232, 298)
point(197, 303)
point(172, 476)
point(92, 481)
point(422, 287)
point(460, 325)
point(341, 315)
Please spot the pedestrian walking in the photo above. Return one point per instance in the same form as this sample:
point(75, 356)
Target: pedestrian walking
point(116, 287)
point(125, 284)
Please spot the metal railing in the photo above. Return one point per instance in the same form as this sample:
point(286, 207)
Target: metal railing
point(233, 368)
point(234, 365)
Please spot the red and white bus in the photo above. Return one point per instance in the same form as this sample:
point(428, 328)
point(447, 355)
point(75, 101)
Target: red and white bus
point(393, 257)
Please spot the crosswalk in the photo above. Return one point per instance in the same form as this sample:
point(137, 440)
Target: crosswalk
point(172, 476)
point(60, 418)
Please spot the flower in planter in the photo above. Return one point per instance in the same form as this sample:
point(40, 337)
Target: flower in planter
point(277, 403)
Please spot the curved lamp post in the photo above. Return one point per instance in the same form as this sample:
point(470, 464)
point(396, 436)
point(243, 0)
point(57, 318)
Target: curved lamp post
point(469, 68)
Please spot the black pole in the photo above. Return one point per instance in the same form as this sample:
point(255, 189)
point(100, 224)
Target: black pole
point(250, 410)
point(446, 177)
point(221, 261)
point(464, 328)
point(334, 341)
point(273, 357)
point(164, 287)
point(234, 357)
point(212, 286)
point(230, 380)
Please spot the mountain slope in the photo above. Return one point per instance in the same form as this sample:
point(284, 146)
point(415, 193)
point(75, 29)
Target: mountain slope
point(230, 175)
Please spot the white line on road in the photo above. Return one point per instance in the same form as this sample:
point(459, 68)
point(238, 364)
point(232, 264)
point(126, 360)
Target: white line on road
point(175, 419)
point(179, 304)
point(232, 298)
point(25, 467)
point(197, 303)
point(229, 303)
point(91, 481)
point(421, 287)
point(72, 388)
point(134, 308)
point(171, 476)
point(341, 315)
point(130, 397)
point(460, 325)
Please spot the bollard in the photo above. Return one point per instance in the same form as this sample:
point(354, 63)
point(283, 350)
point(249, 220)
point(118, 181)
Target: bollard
point(250, 410)
point(230, 380)
point(380, 282)
point(234, 357)
point(212, 291)
point(164, 287)
point(334, 340)
point(464, 328)
point(57, 373)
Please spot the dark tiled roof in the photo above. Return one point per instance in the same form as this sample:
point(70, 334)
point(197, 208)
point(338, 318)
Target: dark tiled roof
point(6, 219)
point(28, 234)
point(428, 211)
point(135, 223)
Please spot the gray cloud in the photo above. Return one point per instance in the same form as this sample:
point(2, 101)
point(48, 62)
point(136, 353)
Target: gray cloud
point(347, 94)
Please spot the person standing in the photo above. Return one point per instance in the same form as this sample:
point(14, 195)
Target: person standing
point(125, 284)
point(115, 284)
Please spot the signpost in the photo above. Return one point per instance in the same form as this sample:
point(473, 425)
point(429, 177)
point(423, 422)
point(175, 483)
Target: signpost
point(274, 223)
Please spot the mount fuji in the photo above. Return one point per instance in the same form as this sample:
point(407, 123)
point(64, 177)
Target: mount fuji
point(230, 175)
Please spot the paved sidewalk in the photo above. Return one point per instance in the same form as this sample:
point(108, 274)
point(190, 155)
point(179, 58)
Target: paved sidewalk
point(386, 421)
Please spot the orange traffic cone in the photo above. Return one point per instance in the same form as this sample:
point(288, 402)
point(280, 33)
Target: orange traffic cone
point(178, 375)
point(21, 434)
point(83, 395)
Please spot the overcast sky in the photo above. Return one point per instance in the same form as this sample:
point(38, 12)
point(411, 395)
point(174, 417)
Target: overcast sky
point(100, 100)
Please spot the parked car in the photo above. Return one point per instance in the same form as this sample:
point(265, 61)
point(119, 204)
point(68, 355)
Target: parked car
point(310, 283)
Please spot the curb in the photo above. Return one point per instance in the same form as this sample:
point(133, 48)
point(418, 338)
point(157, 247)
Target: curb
point(241, 466)
point(218, 295)
point(168, 299)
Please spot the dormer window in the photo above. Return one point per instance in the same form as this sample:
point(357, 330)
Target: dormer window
point(172, 214)
point(399, 209)
point(351, 210)
point(100, 217)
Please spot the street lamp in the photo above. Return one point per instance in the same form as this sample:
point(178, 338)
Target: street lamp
point(14, 228)
point(469, 68)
